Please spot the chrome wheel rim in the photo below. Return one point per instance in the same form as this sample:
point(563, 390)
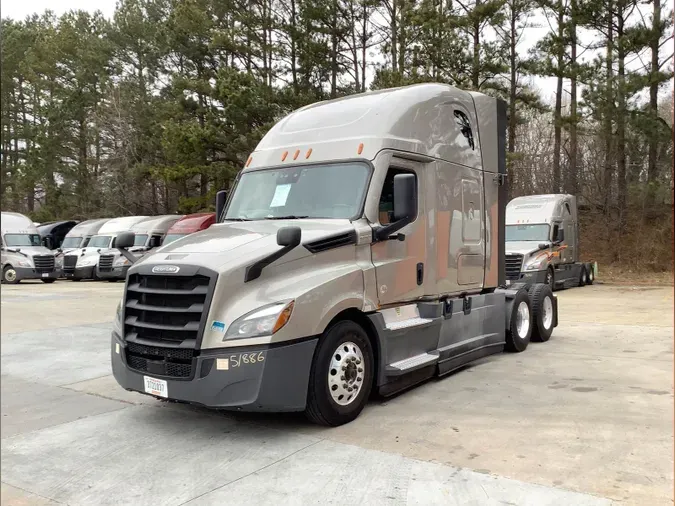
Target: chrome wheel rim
point(10, 275)
point(346, 373)
point(547, 312)
point(523, 320)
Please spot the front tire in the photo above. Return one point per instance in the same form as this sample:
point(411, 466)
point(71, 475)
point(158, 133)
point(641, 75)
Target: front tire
point(9, 275)
point(520, 329)
point(583, 276)
point(550, 277)
point(591, 275)
point(543, 313)
point(342, 375)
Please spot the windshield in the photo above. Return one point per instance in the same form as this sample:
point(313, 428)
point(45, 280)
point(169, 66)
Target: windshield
point(16, 240)
point(71, 242)
point(317, 191)
point(527, 233)
point(99, 241)
point(171, 237)
point(140, 239)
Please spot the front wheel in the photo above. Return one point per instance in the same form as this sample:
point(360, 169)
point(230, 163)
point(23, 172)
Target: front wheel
point(583, 276)
point(342, 375)
point(9, 275)
point(591, 275)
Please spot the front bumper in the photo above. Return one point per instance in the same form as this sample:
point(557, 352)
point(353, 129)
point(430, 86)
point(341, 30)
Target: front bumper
point(81, 273)
point(31, 273)
point(531, 277)
point(277, 383)
point(117, 272)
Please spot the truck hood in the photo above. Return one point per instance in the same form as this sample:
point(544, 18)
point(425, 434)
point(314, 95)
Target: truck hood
point(237, 243)
point(31, 251)
point(524, 248)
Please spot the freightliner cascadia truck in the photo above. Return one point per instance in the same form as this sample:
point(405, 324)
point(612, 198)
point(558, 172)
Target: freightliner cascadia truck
point(542, 242)
point(334, 271)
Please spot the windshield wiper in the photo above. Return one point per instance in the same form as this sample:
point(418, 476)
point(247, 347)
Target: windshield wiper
point(237, 219)
point(289, 217)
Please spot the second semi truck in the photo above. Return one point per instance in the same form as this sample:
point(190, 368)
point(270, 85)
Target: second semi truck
point(334, 270)
point(542, 242)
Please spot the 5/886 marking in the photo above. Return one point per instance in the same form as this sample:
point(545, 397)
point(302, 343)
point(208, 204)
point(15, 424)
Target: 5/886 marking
point(242, 359)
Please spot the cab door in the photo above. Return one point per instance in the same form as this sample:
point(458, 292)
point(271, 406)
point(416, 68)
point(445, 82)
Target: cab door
point(400, 266)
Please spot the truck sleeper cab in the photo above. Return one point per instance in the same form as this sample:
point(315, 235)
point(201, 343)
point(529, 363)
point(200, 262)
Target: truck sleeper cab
point(81, 263)
point(22, 252)
point(361, 249)
point(542, 242)
point(149, 235)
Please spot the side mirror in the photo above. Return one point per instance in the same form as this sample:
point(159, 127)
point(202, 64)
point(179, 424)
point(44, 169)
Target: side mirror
point(125, 240)
point(289, 237)
point(221, 198)
point(543, 245)
point(60, 250)
point(405, 196)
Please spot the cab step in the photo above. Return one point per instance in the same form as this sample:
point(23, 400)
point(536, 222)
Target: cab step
point(411, 364)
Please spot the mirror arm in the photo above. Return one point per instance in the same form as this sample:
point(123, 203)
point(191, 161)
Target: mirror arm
point(384, 233)
point(129, 256)
point(254, 270)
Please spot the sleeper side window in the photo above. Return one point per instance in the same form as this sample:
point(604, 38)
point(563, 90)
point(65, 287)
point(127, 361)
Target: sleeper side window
point(386, 206)
point(464, 126)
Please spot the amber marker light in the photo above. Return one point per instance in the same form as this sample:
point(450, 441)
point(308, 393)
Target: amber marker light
point(295, 156)
point(283, 317)
point(283, 157)
point(309, 152)
point(360, 150)
point(250, 159)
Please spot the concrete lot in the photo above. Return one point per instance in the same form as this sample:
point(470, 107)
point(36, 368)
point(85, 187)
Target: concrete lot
point(586, 418)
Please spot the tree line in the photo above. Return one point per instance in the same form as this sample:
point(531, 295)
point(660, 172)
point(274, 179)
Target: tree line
point(154, 110)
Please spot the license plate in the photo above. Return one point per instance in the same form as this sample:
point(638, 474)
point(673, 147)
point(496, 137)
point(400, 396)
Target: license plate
point(156, 387)
point(508, 282)
point(45, 274)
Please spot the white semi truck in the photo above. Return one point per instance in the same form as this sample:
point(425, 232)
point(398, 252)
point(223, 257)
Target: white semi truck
point(542, 242)
point(22, 253)
point(335, 270)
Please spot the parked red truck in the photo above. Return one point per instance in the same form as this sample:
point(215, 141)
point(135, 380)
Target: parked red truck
point(188, 225)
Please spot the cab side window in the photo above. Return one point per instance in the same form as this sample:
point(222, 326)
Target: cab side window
point(464, 126)
point(554, 234)
point(155, 241)
point(386, 206)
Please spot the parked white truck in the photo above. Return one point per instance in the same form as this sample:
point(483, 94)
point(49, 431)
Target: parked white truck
point(542, 242)
point(332, 273)
point(81, 263)
point(22, 254)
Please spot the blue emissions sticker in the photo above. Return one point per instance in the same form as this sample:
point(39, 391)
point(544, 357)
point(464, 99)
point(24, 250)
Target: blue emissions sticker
point(218, 326)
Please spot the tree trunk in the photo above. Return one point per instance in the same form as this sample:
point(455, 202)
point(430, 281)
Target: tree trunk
point(653, 99)
point(475, 67)
point(557, 114)
point(334, 52)
point(609, 111)
point(364, 44)
point(573, 176)
point(402, 38)
point(394, 37)
point(621, 119)
point(294, 34)
point(513, 87)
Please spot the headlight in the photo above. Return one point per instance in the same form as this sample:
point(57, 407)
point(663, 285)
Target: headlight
point(58, 262)
point(86, 262)
point(121, 261)
point(261, 322)
point(23, 263)
point(536, 263)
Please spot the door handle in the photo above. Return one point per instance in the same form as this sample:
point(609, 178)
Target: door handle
point(420, 273)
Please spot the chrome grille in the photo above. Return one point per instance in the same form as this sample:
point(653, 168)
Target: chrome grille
point(69, 263)
point(44, 263)
point(105, 263)
point(513, 265)
point(166, 310)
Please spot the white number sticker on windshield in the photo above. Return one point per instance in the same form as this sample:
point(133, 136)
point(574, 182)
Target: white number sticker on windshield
point(280, 195)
